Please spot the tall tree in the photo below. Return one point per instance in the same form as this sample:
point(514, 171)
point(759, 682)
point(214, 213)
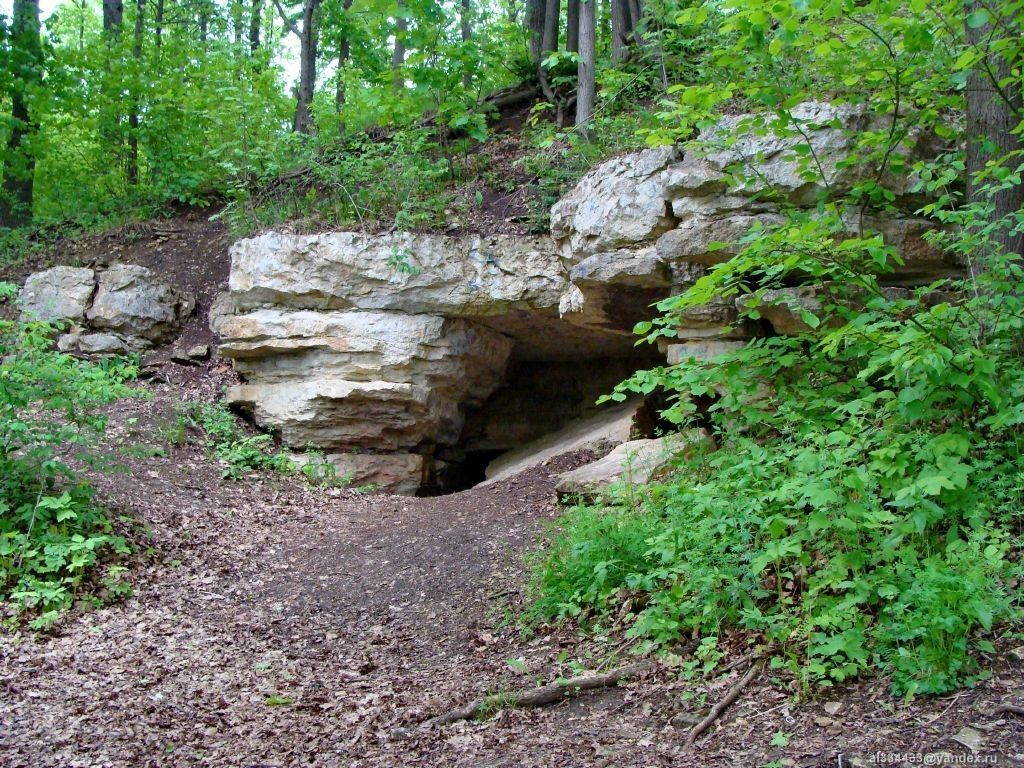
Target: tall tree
point(308, 41)
point(572, 26)
point(620, 29)
point(133, 115)
point(535, 13)
point(16, 194)
point(994, 110)
point(552, 20)
point(255, 24)
point(466, 28)
point(586, 84)
point(398, 53)
point(344, 52)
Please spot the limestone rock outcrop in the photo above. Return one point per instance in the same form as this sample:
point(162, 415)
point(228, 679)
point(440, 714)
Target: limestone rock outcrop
point(123, 308)
point(413, 360)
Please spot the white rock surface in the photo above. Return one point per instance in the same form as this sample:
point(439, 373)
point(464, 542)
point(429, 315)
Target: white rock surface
point(403, 272)
point(59, 293)
point(632, 463)
point(133, 301)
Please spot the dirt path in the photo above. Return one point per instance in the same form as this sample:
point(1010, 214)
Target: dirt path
point(275, 625)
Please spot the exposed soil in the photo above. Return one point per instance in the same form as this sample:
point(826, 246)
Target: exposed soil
point(279, 625)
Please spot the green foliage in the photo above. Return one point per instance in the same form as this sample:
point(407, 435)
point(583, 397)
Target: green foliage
point(238, 452)
point(863, 510)
point(56, 543)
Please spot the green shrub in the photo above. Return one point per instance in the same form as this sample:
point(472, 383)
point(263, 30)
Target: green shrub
point(864, 510)
point(238, 452)
point(53, 536)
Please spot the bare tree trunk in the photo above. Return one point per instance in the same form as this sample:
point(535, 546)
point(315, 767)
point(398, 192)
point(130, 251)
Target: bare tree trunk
point(255, 24)
point(994, 109)
point(308, 39)
point(398, 56)
point(552, 18)
point(636, 13)
point(535, 27)
point(572, 27)
point(204, 21)
point(620, 29)
point(16, 194)
point(344, 50)
point(586, 86)
point(133, 115)
point(158, 22)
point(113, 17)
point(466, 23)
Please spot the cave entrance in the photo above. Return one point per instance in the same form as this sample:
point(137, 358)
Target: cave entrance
point(559, 367)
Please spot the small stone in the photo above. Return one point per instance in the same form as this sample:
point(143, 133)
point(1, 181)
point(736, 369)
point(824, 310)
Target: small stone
point(684, 720)
point(833, 707)
point(970, 738)
point(199, 351)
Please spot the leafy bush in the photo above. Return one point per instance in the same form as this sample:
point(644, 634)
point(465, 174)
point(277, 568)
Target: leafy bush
point(238, 452)
point(864, 509)
point(53, 535)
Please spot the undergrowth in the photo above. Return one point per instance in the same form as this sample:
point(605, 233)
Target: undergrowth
point(57, 545)
point(863, 513)
point(239, 453)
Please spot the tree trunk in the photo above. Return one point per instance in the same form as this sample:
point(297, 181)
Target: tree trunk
point(255, 24)
point(344, 51)
point(586, 85)
point(993, 111)
point(19, 170)
point(636, 12)
point(398, 56)
point(466, 23)
point(572, 27)
point(158, 22)
point(535, 27)
point(133, 116)
point(113, 16)
point(552, 18)
point(307, 68)
point(620, 29)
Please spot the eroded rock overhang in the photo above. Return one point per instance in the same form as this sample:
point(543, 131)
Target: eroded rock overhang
point(410, 358)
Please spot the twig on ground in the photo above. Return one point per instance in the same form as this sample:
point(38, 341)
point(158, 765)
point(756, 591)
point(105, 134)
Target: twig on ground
point(1008, 709)
point(724, 704)
point(539, 697)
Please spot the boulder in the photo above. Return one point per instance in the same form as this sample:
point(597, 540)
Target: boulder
point(59, 293)
point(398, 473)
point(632, 463)
point(416, 274)
point(619, 203)
point(133, 302)
point(380, 380)
point(599, 433)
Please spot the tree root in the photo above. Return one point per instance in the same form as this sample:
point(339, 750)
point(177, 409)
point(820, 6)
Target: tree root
point(539, 697)
point(727, 701)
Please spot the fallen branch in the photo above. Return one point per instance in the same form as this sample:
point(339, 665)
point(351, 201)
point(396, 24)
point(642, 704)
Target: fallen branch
point(539, 697)
point(724, 704)
point(1008, 709)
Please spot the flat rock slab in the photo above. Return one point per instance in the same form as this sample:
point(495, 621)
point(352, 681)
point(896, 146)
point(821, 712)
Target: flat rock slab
point(607, 429)
point(633, 463)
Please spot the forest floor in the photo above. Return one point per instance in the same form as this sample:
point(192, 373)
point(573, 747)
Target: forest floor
point(274, 624)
